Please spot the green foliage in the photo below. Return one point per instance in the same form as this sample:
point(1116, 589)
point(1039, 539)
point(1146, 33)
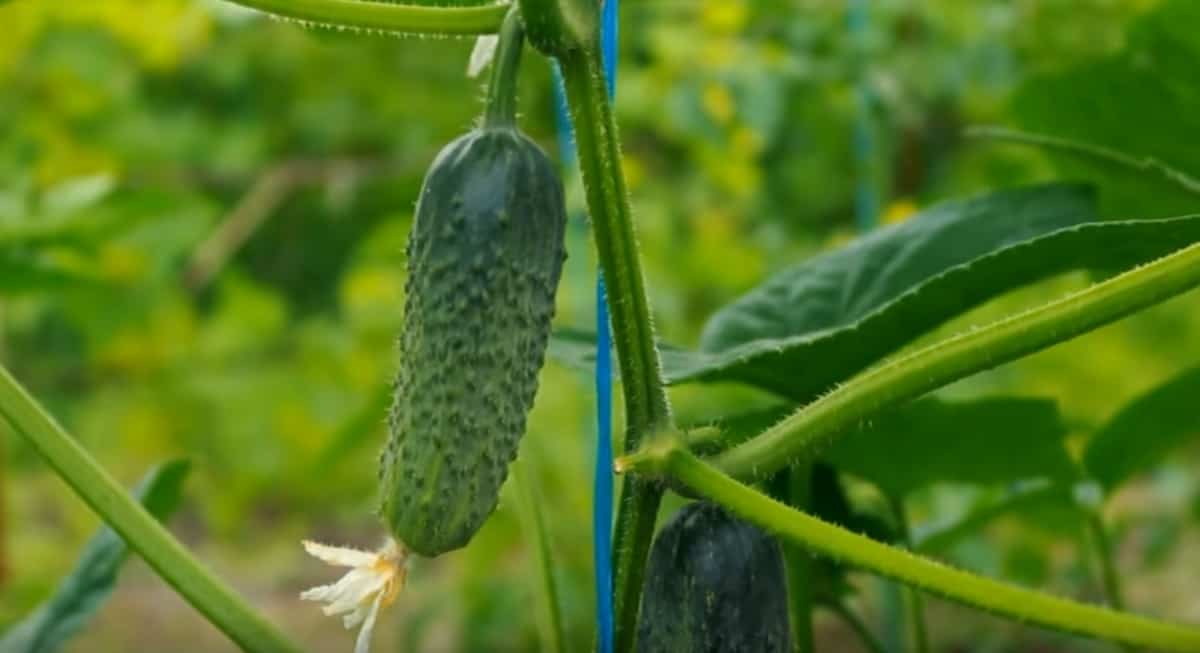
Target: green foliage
point(1145, 430)
point(1117, 102)
point(811, 317)
point(931, 441)
point(83, 592)
point(138, 130)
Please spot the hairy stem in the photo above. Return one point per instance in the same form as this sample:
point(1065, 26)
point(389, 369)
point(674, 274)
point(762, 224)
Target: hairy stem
point(387, 17)
point(646, 408)
point(958, 357)
point(501, 108)
point(144, 534)
point(994, 596)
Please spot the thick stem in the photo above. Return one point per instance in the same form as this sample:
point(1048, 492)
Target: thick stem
point(646, 408)
point(502, 89)
point(961, 356)
point(388, 17)
point(144, 534)
point(995, 596)
point(918, 637)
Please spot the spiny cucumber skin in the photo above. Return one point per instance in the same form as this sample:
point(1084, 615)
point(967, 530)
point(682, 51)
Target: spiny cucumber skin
point(714, 584)
point(484, 259)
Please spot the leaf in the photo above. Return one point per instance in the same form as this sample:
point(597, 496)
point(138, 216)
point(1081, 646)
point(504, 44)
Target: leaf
point(845, 285)
point(1022, 498)
point(827, 346)
point(1137, 101)
point(984, 442)
point(24, 273)
point(1142, 432)
point(84, 590)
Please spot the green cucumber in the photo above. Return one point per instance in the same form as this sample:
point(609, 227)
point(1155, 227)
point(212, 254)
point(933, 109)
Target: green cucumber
point(714, 584)
point(484, 260)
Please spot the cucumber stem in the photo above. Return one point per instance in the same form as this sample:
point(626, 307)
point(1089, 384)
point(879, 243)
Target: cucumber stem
point(502, 89)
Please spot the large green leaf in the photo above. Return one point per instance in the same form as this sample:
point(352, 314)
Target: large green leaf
point(807, 329)
point(984, 442)
point(86, 588)
point(1145, 430)
point(1137, 101)
point(847, 284)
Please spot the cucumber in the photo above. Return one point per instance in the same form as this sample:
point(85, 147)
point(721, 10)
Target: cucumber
point(484, 260)
point(714, 584)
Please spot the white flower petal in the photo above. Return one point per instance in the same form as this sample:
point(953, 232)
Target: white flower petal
point(355, 616)
point(359, 590)
point(363, 643)
point(482, 54)
point(340, 555)
point(372, 583)
point(318, 593)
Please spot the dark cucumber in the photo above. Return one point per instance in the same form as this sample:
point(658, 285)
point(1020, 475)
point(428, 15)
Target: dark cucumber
point(484, 259)
point(714, 584)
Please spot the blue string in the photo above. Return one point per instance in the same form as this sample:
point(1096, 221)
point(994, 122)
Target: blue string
point(602, 491)
point(602, 507)
point(602, 504)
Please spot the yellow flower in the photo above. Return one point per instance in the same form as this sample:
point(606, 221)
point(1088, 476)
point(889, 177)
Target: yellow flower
point(372, 583)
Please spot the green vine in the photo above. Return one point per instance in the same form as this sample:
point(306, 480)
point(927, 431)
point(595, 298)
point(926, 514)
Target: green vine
point(827, 539)
point(147, 536)
point(958, 357)
point(647, 410)
point(386, 17)
point(501, 110)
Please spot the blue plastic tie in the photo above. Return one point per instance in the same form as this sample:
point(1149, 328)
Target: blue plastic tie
point(602, 508)
point(602, 490)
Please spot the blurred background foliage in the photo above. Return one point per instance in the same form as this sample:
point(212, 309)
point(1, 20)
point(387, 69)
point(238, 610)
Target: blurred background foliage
point(202, 225)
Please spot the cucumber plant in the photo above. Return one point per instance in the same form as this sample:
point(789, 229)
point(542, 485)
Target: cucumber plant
point(832, 339)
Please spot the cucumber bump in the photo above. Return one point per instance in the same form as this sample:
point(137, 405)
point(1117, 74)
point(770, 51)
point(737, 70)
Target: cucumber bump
point(484, 259)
